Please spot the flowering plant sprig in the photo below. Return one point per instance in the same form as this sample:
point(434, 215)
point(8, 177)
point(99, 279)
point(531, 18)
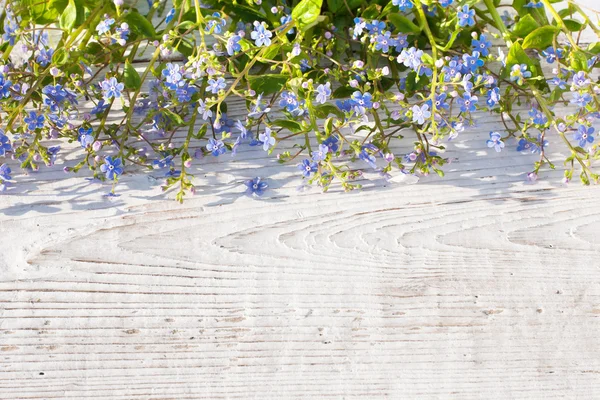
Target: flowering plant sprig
point(346, 79)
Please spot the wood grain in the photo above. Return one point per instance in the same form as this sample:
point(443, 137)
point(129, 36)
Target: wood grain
point(475, 286)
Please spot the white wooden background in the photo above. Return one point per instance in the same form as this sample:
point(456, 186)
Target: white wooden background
point(475, 286)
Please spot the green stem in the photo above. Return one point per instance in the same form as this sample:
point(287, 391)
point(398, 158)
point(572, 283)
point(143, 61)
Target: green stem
point(499, 23)
point(560, 23)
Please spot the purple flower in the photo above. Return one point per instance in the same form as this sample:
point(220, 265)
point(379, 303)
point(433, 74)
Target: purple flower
point(584, 135)
point(44, 56)
point(323, 93)
point(307, 167)
point(261, 35)
point(216, 147)
point(204, 110)
point(256, 186)
point(266, 139)
point(111, 88)
point(368, 158)
point(466, 17)
point(495, 141)
point(112, 168)
point(420, 114)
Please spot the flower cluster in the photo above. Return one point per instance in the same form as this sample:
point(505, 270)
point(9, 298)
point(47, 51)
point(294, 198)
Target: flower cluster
point(342, 81)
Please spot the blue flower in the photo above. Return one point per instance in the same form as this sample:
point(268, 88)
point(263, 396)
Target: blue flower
point(44, 56)
point(163, 163)
point(452, 71)
point(34, 121)
point(362, 100)
point(403, 5)
point(383, 42)
point(493, 97)
point(472, 62)
point(261, 35)
point(558, 82)
point(104, 26)
point(256, 186)
point(111, 88)
point(289, 101)
point(4, 87)
point(173, 74)
point(266, 139)
point(537, 116)
point(584, 135)
point(323, 93)
point(440, 102)
point(85, 136)
point(307, 167)
point(345, 105)
point(259, 108)
point(467, 103)
point(5, 172)
point(518, 73)
point(495, 141)
point(533, 4)
point(215, 85)
point(321, 153)
point(552, 55)
point(55, 92)
point(420, 114)
point(411, 58)
point(216, 24)
point(581, 100)
point(286, 19)
point(482, 45)
point(99, 108)
point(170, 15)
point(466, 17)
point(304, 65)
point(216, 147)
point(401, 42)
point(580, 80)
point(185, 92)
point(359, 26)
point(204, 110)
point(367, 157)
point(374, 27)
point(332, 143)
point(111, 168)
point(4, 143)
point(446, 3)
point(233, 44)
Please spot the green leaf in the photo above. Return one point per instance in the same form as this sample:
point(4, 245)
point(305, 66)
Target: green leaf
point(343, 92)
point(594, 48)
point(525, 26)
point(371, 12)
point(306, 12)
point(140, 24)
point(69, 16)
point(267, 84)
point(578, 60)
point(516, 55)
point(323, 110)
point(541, 37)
point(403, 24)
point(131, 77)
point(572, 25)
point(176, 118)
point(292, 126)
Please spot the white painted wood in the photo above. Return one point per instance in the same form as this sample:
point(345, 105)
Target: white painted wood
point(475, 286)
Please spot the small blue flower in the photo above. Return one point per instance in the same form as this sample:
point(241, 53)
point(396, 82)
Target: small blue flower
point(467, 103)
point(304, 65)
point(170, 15)
point(401, 42)
point(323, 93)
point(558, 82)
point(440, 102)
point(111, 88)
point(111, 168)
point(537, 116)
point(493, 97)
point(403, 5)
point(584, 135)
point(286, 19)
point(163, 163)
point(99, 108)
point(104, 26)
point(233, 44)
point(368, 158)
point(581, 100)
point(420, 114)
point(359, 26)
point(534, 4)
point(466, 17)
point(85, 136)
point(374, 27)
point(332, 143)
point(518, 73)
point(267, 140)
point(307, 167)
point(411, 58)
point(4, 87)
point(204, 110)
point(362, 100)
point(34, 121)
point(482, 45)
point(580, 81)
point(215, 85)
point(261, 35)
point(44, 56)
point(321, 153)
point(256, 186)
point(216, 24)
point(5, 173)
point(552, 55)
point(216, 147)
point(446, 3)
point(452, 71)
point(384, 41)
point(4, 143)
point(173, 74)
point(289, 101)
point(495, 141)
point(472, 62)
point(185, 92)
